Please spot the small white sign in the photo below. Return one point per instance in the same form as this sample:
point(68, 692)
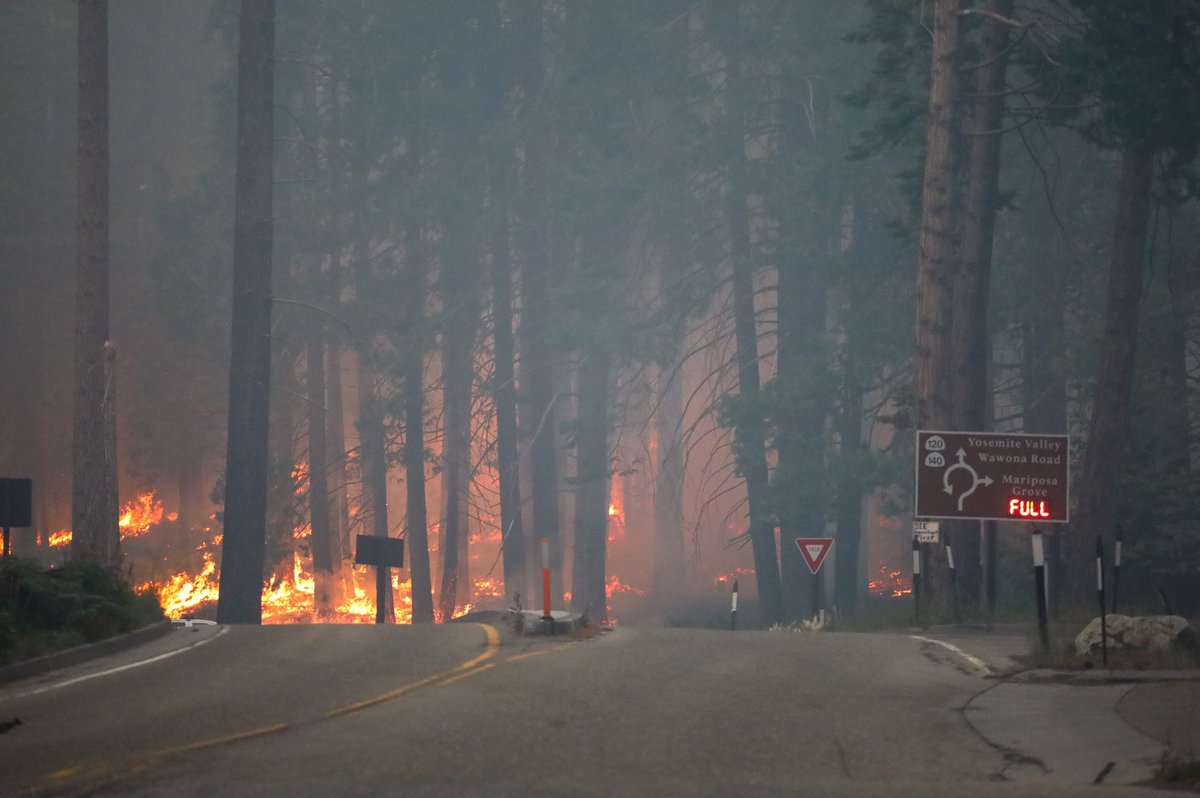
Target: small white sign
point(926, 531)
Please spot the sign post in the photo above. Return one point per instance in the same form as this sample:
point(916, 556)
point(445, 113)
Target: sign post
point(547, 617)
point(16, 507)
point(814, 551)
point(992, 476)
point(385, 554)
point(1039, 585)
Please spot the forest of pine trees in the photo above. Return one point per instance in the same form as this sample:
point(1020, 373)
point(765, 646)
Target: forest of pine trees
point(666, 283)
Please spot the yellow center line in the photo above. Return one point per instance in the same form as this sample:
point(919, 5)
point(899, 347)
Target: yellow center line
point(104, 777)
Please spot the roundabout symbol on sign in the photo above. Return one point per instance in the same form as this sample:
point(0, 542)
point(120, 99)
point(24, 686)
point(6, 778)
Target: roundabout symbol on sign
point(976, 480)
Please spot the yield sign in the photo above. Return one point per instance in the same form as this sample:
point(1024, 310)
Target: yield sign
point(814, 551)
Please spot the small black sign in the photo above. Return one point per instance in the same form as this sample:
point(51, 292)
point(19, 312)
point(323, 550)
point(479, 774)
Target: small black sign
point(380, 552)
point(16, 502)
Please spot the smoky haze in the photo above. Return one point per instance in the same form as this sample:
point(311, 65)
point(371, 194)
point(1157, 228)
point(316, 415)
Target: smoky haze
point(705, 252)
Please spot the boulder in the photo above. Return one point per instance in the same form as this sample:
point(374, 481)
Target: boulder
point(1160, 633)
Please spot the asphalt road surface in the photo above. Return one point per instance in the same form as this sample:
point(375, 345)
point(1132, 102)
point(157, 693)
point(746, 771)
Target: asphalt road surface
point(472, 710)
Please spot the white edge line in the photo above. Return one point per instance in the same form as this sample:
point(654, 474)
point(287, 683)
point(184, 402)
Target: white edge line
point(130, 666)
point(976, 661)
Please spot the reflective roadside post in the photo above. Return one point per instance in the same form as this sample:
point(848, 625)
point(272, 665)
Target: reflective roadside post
point(1039, 585)
point(733, 611)
point(916, 570)
point(547, 618)
point(1116, 569)
point(1100, 597)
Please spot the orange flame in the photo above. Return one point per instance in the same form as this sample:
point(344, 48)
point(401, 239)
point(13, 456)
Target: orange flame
point(140, 514)
point(60, 538)
point(615, 585)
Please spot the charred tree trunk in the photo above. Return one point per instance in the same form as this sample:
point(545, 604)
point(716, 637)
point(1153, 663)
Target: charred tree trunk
point(591, 489)
point(750, 437)
point(1097, 511)
point(538, 412)
point(242, 549)
point(94, 508)
point(933, 378)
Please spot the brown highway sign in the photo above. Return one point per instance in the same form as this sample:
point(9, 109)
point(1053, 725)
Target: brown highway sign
point(993, 476)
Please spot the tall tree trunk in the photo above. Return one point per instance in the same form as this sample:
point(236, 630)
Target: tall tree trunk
point(242, 549)
point(372, 448)
point(283, 511)
point(749, 433)
point(591, 489)
point(1175, 439)
point(969, 339)
point(459, 311)
point(322, 541)
point(800, 439)
point(801, 364)
point(1097, 510)
point(537, 410)
point(414, 475)
point(337, 457)
point(504, 395)
point(933, 378)
point(94, 509)
point(848, 577)
point(668, 487)
point(1044, 400)
point(504, 389)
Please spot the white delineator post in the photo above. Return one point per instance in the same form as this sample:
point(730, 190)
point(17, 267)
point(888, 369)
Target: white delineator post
point(1039, 584)
point(733, 611)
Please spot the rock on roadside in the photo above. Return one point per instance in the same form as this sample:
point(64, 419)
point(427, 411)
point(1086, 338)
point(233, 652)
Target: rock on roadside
point(1146, 633)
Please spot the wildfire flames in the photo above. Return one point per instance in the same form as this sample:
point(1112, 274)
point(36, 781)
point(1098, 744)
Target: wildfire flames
point(140, 514)
point(889, 583)
point(137, 518)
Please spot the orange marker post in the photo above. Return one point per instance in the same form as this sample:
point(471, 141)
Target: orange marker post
point(546, 616)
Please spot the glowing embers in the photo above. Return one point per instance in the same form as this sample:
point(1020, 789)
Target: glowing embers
point(615, 586)
point(889, 583)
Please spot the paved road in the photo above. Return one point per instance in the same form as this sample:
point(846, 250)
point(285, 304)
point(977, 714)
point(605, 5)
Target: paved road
point(462, 710)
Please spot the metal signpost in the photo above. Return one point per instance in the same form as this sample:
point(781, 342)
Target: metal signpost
point(16, 507)
point(814, 551)
point(385, 554)
point(994, 476)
